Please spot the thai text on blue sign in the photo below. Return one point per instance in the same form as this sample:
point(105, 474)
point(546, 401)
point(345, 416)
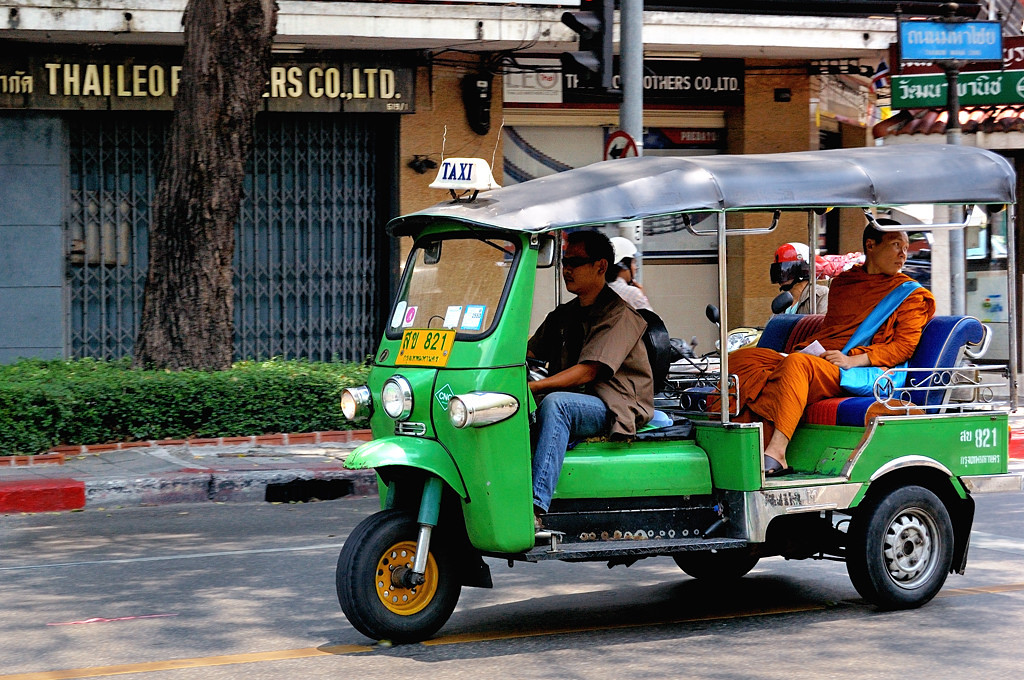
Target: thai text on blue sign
point(923, 84)
point(942, 41)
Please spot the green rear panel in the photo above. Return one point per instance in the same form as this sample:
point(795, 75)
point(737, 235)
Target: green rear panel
point(622, 469)
point(823, 449)
point(734, 453)
point(965, 444)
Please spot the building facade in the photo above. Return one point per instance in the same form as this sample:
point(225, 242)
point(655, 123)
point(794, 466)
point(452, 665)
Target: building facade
point(363, 98)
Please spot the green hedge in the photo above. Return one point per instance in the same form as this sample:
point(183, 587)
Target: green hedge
point(46, 403)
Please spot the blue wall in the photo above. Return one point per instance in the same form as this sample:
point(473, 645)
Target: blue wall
point(33, 152)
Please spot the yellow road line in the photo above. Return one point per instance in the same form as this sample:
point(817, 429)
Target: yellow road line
point(990, 590)
point(197, 662)
point(462, 638)
point(508, 635)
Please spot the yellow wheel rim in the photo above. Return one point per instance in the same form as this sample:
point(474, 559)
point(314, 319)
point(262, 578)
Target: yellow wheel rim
point(399, 599)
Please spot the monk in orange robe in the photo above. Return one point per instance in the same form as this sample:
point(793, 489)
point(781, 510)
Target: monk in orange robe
point(776, 388)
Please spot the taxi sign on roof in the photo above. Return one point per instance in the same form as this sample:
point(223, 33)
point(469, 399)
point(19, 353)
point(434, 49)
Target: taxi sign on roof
point(464, 174)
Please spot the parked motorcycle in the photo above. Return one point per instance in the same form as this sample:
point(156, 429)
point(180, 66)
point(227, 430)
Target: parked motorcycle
point(745, 336)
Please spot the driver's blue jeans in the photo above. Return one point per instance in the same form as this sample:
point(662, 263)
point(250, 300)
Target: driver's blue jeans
point(562, 417)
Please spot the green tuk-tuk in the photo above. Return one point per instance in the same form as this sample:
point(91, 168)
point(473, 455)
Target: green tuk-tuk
point(884, 482)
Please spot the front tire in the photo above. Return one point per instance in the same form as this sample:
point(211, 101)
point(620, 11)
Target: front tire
point(718, 567)
point(378, 605)
point(900, 548)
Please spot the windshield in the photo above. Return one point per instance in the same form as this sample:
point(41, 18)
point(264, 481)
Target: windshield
point(454, 283)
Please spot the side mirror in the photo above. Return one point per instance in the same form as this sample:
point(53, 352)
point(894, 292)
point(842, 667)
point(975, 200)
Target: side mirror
point(432, 252)
point(711, 312)
point(782, 302)
point(546, 252)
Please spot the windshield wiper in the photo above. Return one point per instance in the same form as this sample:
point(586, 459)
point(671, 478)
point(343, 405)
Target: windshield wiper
point(483, 239)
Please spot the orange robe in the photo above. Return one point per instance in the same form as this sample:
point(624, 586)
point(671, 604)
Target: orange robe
point(777, 388)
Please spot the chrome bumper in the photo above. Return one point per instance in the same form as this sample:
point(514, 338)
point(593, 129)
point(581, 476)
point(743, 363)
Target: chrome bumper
point(1011, 481)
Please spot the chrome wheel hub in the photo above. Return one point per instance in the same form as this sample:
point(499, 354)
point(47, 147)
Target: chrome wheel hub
point(909, 548)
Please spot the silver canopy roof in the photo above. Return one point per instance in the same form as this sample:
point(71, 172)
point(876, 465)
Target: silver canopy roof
point(635, 188)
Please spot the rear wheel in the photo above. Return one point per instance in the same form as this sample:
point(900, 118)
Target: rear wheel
point(900, 548)
point(371, 584)
point(721, 565)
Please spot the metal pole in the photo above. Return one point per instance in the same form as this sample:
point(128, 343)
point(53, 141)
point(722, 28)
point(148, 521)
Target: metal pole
point(957, 254)
point(631, 111)
point(723, 322)
point(1011, 298)
point(631, 60)
point(814, 221)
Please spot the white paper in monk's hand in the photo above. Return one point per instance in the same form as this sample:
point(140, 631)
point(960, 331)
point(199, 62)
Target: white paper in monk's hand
point(814, 349)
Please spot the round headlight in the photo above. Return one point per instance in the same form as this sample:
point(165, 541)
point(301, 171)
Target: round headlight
point(457, 412)
point(356, 402)
point(396, 398)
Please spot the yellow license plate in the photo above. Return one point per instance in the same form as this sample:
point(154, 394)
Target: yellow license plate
point(425, 348)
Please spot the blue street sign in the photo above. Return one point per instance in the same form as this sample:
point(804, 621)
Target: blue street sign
point(942, 41)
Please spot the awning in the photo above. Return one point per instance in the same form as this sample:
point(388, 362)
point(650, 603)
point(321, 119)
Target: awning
point(987, 119)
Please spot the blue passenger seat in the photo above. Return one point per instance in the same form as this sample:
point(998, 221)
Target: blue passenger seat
point(941, 346)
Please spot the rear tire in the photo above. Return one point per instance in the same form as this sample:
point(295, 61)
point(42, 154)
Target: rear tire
point(720, 566)
point(900, 548)
point(378, 607)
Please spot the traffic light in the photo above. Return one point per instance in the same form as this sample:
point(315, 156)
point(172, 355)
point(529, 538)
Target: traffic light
point(592, 62)
point(476, 97)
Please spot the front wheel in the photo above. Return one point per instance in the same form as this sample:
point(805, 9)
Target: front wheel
point(719, 566)
point(900, 548)
point(370, 585)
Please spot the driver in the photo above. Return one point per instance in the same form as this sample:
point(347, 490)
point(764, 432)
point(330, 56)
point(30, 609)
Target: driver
point(792, 273)
point(600, 381)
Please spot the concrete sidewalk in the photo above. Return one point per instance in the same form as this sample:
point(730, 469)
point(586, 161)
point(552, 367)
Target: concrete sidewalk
point(184, 473)
point(212, 470)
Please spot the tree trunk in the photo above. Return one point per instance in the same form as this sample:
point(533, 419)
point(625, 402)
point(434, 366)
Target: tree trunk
point(188, 307)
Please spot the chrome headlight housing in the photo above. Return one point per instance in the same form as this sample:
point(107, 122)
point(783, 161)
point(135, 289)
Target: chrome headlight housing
point(356, 402)
point(396, 398)
point(477, 409)
point(741, 337)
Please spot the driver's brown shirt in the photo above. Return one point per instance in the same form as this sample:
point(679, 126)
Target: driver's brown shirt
point(612, 335)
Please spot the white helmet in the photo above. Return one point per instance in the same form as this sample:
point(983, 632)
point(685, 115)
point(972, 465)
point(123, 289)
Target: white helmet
point(622, 248)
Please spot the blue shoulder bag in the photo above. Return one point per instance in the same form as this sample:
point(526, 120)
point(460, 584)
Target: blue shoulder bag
point(860, 380)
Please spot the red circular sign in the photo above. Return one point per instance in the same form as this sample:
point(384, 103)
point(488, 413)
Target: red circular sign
point(620, 145)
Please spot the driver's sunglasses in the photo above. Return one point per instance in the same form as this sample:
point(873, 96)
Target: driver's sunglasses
point(574, 262)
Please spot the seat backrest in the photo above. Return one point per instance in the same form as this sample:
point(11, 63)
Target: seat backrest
point(659, 347)
point(784, 331)
point(941, 346)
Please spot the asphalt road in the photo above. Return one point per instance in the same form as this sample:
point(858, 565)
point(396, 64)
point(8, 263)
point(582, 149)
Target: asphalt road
point(247, 591)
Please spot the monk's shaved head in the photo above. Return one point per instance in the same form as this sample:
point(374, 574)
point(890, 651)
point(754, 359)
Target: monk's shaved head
point(876, 235)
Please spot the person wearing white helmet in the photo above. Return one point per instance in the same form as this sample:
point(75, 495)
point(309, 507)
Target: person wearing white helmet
point(621, 274)
point(792, 272)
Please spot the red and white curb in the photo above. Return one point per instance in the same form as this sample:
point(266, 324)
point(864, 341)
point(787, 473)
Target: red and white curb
point(187, 485)
point(284, 439)
point(45, 495)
